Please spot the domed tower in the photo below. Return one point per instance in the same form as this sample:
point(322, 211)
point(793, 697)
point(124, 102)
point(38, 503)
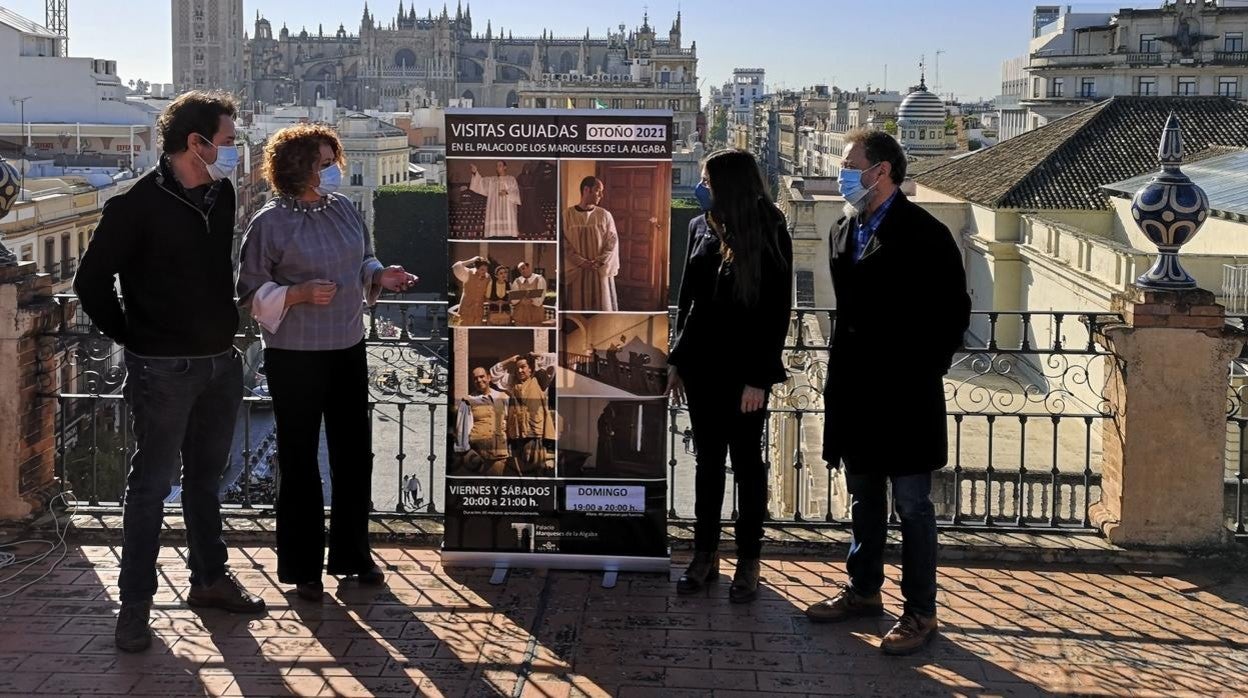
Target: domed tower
point(921, 122)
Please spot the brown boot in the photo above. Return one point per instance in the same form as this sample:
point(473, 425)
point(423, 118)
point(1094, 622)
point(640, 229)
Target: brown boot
point(911, 634)
point(847, 604)
point(702, 571)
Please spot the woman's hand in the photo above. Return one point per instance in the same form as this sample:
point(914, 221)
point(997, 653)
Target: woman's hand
point(752, 399)
point(473, 169)
point(395, 278)
point(675, 386)
point(316, 292)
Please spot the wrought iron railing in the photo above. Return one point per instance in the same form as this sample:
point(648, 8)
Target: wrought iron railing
point(1026, 408)
point(1236, 473)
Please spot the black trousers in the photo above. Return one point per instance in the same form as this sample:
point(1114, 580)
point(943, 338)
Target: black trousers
point(720, 429)
point(308, 386)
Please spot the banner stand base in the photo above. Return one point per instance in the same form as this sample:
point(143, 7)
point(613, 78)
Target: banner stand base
point(499, 576)
point(502, 562)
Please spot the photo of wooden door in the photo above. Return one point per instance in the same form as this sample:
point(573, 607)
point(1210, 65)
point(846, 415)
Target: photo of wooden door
point(638, 195)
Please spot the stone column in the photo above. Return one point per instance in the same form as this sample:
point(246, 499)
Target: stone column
point(1164, 447)
point(27, 367)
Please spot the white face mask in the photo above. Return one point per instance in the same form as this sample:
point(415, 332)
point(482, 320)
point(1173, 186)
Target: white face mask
point(223, 166)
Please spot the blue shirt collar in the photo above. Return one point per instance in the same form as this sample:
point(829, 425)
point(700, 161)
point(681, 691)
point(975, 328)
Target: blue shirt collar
point(865, 230)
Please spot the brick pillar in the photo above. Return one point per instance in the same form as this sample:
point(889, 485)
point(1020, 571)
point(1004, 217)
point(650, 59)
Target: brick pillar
point(1162, 481)
point(27, 421)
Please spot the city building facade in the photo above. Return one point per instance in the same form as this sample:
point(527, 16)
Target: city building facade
point(208, 39)
point(1179, 48)
point(53, 226)
point(70, 110)
point(748, 86)
point(377, 154)
point(412, 62)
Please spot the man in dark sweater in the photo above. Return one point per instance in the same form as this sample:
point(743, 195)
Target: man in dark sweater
point(169, 241)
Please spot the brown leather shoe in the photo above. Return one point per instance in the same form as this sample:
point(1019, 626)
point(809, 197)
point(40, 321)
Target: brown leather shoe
point(847, 604)
point(702, 571)
point(227, 594)
point(911, 634)
point(745, 582)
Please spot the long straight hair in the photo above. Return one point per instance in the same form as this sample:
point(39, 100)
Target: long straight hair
point(741, 205)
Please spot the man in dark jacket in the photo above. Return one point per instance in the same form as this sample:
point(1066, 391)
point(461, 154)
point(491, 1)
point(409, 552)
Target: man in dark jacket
point(169, 241)
point(902, 309)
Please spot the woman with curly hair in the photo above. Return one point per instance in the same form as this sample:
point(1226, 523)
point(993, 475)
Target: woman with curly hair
point(305, 271)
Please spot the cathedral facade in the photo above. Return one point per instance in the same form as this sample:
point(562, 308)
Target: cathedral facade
point(410, 61)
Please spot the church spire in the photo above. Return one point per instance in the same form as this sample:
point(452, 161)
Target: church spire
point(489, 31)
point(402, 14)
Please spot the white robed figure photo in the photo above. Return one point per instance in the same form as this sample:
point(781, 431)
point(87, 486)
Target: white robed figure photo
point(502, 201)
point(591, 250)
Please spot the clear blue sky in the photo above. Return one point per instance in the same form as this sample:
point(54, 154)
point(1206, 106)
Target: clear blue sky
point(798, 42)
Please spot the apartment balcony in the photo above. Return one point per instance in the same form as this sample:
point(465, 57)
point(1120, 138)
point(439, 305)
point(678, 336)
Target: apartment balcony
point(1065, 60)
point(1230, 57)
point(1146, 58)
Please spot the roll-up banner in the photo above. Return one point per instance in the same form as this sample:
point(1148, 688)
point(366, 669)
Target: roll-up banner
point(559, 232)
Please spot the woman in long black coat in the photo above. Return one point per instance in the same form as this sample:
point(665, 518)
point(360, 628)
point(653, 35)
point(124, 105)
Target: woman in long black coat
point(734, 307)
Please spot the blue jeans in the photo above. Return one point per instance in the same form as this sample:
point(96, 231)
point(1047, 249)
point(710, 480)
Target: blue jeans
point(187, 408)
point(869, 511)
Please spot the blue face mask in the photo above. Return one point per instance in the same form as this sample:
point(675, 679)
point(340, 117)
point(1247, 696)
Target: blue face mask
point(223, 166)
point(331, 179)
point(850, 183)
point(703, 194)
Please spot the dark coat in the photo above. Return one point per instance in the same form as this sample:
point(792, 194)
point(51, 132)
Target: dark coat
point(901, 314)
point(716, 334)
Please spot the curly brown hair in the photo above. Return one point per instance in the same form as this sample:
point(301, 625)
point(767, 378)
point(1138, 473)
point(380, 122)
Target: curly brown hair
point(293, 155)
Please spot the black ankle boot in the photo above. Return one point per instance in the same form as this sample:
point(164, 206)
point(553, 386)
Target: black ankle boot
point(745, 582)
point(702, 571)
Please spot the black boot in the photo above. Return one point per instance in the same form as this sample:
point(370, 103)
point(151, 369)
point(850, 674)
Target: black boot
point(134, 632)
point(745, 582)
point(702, 571)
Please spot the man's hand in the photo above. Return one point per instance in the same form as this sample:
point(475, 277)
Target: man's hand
point(752, 399)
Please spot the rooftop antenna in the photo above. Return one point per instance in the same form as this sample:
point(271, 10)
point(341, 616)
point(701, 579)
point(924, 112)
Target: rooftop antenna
point(58, 23)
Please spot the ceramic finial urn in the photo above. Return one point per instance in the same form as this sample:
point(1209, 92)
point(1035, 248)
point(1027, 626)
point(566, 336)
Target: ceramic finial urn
point(1169, 210)
point(10, 184)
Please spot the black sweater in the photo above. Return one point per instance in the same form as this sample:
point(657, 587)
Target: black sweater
point(174, 262)
point(715, 331)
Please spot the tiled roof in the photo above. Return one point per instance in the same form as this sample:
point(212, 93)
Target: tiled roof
point(925, 165)
point(1222, 172)
point(1064, 164)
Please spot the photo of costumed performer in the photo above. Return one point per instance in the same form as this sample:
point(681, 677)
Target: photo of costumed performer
point(473, 276)
point(528, 292)
point(591, 252)
point(530, 421)
point(502, 201)
point(481, 428)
